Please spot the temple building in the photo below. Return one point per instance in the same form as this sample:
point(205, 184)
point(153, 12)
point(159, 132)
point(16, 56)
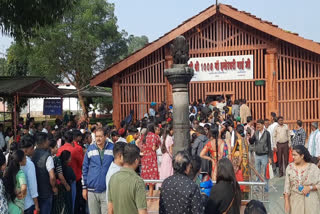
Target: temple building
point(234, 54)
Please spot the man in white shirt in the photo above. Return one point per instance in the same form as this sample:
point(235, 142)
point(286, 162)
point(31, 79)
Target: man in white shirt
point(44, 125)
point(314, 141)
point(271, 130)
point(122, 133)
point(117, 163)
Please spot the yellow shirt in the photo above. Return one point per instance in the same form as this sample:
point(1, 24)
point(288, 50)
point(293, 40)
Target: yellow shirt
point(129, 138)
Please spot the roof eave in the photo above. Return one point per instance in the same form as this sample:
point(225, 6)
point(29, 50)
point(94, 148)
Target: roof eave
point(188, 25)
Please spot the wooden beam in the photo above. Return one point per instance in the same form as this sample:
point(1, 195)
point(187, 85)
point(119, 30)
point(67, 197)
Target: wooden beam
point(271, 84)
point(116, 102)
point(168, 64)
point(271, 30)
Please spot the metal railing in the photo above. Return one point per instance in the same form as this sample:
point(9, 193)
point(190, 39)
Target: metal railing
point(244, 183)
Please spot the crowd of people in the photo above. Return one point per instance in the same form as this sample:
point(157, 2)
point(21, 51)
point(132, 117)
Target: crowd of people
point(77, 167)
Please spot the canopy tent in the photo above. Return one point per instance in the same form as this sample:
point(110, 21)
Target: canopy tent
point(29, 87)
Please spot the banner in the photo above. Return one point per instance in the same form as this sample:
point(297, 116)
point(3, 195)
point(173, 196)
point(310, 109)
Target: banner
point(222, 68)
point(52, 107)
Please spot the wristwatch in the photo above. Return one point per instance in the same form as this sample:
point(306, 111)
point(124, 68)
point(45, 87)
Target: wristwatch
point(311, 187)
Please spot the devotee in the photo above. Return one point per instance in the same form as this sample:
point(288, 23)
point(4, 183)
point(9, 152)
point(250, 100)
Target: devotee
point(166, 168)
point(46, 178)
point(198, 146)
point(299, 135)
point(179, 193)
point(245, 111)
point(75, 164)
point(122, 135)
point(3, 198)
point(225, 196)
point(236, 109)
point(282, 141)
point(302, 184)
point(31, 199)
point(3, 144)
point(263, 152)
point(117, 164)
point(149, 145)
point(255, 207)
point(15, 182)
point(126, 190)
point(96, 163)
point(59, 203)
point(314, 142)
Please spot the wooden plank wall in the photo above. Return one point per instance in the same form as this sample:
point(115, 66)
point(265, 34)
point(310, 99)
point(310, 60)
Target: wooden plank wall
point(221, 36)
point(298, 73)
point(141, 84)
point(298, 85)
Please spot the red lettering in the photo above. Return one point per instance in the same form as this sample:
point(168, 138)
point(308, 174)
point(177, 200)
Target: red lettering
point(191, 64)
point(216, 65)
point(248, 64)
point(240, 64)
point(197, 66)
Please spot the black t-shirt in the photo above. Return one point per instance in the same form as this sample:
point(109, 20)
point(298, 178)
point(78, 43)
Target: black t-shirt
point(69, 174)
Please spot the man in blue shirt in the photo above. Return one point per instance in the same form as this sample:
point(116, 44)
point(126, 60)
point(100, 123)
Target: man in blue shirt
point(97, 161)
point(31, 200)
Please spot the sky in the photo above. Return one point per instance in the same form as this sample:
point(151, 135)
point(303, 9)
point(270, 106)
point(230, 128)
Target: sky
point(154, 18)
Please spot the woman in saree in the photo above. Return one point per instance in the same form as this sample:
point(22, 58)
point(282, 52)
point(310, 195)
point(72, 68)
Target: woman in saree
point(217, 151)
point(240, 157)
point(302, 184)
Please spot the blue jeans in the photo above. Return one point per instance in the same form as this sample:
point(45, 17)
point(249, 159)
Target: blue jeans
point(73, 192)
point(30, 210)
point(261, 162)
point(45, 205)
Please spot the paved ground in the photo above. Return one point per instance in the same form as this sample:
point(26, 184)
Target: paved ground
point(276, 205)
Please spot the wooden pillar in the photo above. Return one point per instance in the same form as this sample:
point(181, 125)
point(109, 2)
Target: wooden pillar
point(168, 64)
point(15, 101)
point(271, 81)
point(116, 101)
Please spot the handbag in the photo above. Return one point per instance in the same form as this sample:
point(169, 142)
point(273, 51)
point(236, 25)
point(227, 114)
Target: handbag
point(267, 172)
point(275, 157)
point(230, 205)
point(271, 174)
point(290, 156)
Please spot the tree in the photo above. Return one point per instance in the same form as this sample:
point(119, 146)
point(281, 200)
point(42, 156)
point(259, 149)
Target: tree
point(135, 43)
point(17, 60)
point(20, 18)
point(15, 65)
point(3, 66)
point(83, 43)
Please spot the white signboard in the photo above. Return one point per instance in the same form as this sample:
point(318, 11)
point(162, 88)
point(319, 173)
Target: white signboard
point(222, 68)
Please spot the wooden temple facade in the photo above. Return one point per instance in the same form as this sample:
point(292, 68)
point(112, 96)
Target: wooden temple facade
point(287, 64)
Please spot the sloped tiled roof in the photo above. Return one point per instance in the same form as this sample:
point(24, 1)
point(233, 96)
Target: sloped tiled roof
point(242, 16)
point(27, 86)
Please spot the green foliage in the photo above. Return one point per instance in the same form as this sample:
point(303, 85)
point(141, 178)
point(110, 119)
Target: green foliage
point(3, 67)
point(20, 18)
point(17, 60)
point(135, 43)
point(102, 103)
point(83, 43)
